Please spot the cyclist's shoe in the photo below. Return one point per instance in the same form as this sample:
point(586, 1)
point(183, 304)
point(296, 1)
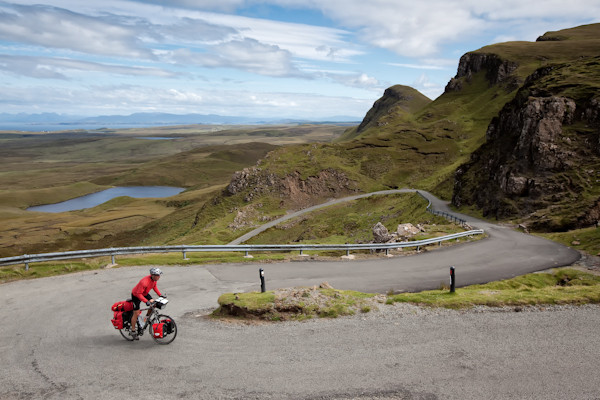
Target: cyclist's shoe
point(134, 334)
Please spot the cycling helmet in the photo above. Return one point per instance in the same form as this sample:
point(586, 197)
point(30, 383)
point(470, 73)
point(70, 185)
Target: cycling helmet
point(155, 271)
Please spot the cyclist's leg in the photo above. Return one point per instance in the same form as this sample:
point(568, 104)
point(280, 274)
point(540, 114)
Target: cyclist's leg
point(149, 310)
point(136, 312)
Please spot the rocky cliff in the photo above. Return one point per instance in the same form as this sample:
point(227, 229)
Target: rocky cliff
point(541, 159)
point(497, 70)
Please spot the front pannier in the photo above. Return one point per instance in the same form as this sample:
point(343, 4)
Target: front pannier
point(158, 330)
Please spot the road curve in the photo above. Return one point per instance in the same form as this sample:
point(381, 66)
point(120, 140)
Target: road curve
point(504, 254)
point(58, 342)
point(295, 214)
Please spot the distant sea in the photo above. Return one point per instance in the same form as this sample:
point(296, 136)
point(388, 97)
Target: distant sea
point(68, 127)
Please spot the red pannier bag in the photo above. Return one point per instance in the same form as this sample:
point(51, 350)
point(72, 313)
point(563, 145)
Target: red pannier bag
point(157, 330)
point(117, 320)
point(122, 306)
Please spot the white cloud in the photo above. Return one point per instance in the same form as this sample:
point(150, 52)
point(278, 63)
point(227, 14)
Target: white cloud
point(360, 80)
point(58, 28)
point(301, 40)
point(420, 28)
point(62, 68)
point(417, 66)
point(430, 89)
point(248, 54)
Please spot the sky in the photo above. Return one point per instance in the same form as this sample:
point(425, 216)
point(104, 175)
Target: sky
point(310, 59)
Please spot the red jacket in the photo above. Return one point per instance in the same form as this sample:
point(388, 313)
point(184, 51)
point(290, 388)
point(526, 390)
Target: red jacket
point(143, 287)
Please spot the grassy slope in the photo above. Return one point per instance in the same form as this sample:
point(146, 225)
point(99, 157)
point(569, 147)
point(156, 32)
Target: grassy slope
point(353, 222)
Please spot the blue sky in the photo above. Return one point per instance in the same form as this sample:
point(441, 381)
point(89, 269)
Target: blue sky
point(285, 58)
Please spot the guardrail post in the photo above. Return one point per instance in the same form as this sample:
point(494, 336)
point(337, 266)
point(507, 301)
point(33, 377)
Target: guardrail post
point(26, 265)
point(347, 252)
point(184, 255)
point(261, 273)
point(112, 258)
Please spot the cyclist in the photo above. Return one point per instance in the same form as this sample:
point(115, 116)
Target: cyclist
point(140, 293)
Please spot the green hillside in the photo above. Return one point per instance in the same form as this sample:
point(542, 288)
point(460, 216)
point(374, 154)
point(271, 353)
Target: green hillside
point(404, 142)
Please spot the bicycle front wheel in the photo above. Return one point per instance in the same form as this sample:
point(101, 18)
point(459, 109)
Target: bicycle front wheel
point(169, 330)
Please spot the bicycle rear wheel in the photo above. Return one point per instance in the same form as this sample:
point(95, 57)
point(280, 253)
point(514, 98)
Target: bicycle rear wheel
point(170, 331)
point(125, 332)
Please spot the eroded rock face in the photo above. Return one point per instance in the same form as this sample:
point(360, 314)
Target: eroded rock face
point(537, 127)
point(292, 189)
point(497, 70)
point(539, 155)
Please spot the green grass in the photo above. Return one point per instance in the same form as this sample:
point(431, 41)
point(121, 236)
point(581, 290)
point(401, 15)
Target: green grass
point(46, 269)
point(587, 239)
point(250, 301)
point(296, 304)
point(353, 221)
point(561, 286)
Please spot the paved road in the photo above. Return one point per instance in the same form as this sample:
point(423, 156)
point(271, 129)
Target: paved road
point(57, 340)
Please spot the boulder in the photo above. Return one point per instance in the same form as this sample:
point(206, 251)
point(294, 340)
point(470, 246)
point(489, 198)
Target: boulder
point(406, 231)
point(380, 233)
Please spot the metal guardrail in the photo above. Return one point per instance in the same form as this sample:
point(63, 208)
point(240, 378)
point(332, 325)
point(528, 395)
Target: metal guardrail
point(184, 249)
point(444, 214)
point(246, 248)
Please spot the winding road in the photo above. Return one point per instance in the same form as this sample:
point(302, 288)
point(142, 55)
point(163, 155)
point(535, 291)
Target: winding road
point(58, 342)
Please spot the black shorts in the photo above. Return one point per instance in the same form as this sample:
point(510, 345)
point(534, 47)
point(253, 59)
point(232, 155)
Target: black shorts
point(136, 301)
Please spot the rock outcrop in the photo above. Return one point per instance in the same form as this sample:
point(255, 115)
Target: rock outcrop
point(497, 70)
point(541, 155)
point(293, 190)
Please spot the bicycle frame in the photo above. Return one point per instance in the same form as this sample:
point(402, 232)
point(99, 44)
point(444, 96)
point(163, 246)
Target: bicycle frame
point(152, 312)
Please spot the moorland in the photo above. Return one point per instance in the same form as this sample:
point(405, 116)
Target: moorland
point(46, 168)
point(514, 138)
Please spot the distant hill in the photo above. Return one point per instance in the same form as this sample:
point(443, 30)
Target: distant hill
point(397, 101)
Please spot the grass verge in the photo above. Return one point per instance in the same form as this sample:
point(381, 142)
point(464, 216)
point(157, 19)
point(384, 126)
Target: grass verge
point(295, 303)
point(558, 286)
point(46, 269)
